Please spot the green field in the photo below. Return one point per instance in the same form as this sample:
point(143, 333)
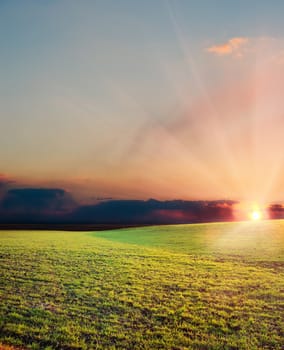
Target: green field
point(207, 286)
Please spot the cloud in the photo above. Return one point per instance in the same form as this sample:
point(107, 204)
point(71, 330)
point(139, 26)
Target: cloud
point(153, 212)
point(232, 46)
point(38, 205)
point(34, 203)
point(276, 211)
point(5, 181)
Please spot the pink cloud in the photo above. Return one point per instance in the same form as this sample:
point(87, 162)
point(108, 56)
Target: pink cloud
point(232, 46)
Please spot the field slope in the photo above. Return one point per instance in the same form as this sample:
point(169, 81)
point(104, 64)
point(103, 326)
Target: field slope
point(208, 286)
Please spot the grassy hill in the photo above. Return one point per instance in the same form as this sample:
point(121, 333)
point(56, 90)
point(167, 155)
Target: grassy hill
point(206, 286)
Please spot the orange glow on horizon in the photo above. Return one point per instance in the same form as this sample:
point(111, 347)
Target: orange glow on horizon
point(244, 211)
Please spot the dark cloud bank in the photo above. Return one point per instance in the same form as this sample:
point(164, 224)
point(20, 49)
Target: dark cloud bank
point(35, 205)
point(41, 205)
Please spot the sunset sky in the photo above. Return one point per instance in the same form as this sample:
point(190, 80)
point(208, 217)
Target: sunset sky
point(143, 99)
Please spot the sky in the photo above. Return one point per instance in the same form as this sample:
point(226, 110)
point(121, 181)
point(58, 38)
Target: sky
point(143, 99)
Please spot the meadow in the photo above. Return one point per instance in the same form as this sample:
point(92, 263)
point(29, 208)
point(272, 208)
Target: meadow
point(204, 286)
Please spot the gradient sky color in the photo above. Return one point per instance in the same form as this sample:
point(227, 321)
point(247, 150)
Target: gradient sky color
point(139, 99)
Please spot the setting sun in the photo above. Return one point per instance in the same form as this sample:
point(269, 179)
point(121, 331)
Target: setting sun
point(255, 215)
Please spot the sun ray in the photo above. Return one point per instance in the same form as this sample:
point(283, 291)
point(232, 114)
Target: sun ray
point(214, 124)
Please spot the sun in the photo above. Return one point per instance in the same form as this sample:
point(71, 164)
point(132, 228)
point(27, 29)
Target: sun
point(255, 215)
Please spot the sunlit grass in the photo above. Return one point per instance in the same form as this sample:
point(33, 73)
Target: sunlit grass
point(209, 286)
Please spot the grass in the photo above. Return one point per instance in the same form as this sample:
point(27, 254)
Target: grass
point(208, 286)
